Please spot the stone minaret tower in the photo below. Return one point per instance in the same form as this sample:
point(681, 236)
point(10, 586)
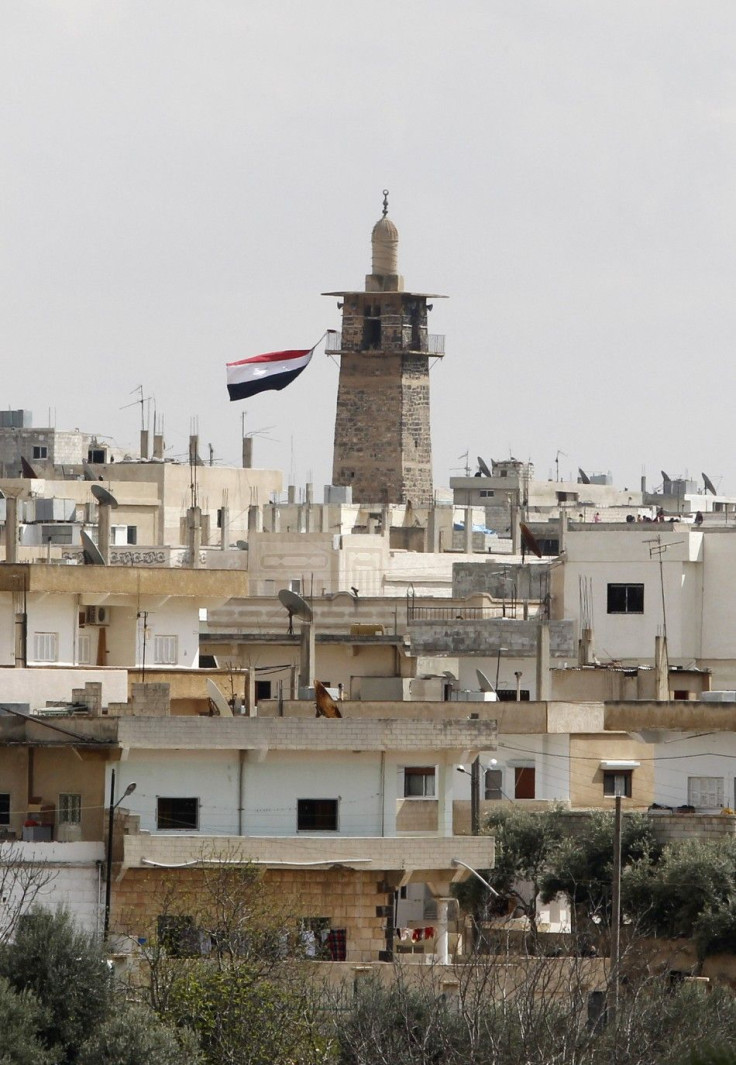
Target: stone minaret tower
point(382, 437)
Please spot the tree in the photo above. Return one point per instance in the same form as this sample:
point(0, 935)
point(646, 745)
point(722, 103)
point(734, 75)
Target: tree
point(690, 891)
point(135, 1036)
point(20, 1020)
point(525, 843)
point(21, 882)
point(66, 971)
point(240, 1016)
point(581, 865)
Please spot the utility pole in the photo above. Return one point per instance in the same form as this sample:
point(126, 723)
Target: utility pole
point(475, 797)
point(616, 906)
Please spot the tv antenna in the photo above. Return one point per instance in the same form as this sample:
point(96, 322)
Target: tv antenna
point(557, 462)
point(657, 550)
point(142, 400)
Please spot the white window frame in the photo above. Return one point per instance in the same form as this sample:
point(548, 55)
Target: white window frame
point(706, 793)
point(69, 810)
point(40, 451)
point(45, 647)
point(165, 650)
point(84, 649)
point(428, 776)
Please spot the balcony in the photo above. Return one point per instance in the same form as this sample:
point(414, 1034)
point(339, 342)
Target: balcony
point(435, 345)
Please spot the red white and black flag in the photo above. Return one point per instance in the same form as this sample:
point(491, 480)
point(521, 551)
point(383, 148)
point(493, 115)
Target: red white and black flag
point(276, 370)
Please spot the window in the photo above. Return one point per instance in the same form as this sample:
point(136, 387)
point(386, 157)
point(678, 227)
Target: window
point(46, 646)
point(70, 809)
point(705, 792)
point(177, 814)
point(617, 782)
point(84, 649)
point(40, 451)
point(493, 784)
point(131, 534)
point(508, 695)
point(487, 493)
point(165, 650)
point(316, 815)
point(263, 689)
point(96, 455)
point(4, 808)
point(419, 782)
point(625, 598)
point(524, 782)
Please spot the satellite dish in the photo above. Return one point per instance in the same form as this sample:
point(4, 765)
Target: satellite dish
point(485, 684)
point(584, 479)
point(216, 696)
point(242, 545)
point(90, 474)
point(2, 494)
point(92, 556)
point(709, 486)
point(26, 470)
point(295, 606)
point(449, 674)
point(529, 540)
point(483, 468)
point(103, 497)
point(665, 477)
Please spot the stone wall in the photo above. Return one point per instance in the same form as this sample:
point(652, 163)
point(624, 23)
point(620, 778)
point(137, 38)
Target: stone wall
point(485, 636)
point(348, 899)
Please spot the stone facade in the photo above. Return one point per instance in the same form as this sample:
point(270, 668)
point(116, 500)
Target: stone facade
point(348, 899)
point(382, 445)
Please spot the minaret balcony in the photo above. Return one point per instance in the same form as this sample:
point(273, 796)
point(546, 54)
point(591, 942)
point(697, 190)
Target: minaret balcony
point(435, 346)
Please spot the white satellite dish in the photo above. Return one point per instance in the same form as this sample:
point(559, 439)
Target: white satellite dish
point(485, 684)
point(92, 555)
point(218, 699)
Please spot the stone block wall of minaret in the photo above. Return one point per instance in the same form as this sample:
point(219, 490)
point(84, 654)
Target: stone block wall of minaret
point(382, 446)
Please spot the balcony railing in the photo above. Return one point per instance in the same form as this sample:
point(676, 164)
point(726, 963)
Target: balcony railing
point(435, 344)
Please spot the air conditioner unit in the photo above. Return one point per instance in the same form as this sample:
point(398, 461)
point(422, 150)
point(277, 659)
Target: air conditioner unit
point(97, 615)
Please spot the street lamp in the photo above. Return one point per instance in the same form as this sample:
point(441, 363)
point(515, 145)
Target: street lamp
point(113, 807)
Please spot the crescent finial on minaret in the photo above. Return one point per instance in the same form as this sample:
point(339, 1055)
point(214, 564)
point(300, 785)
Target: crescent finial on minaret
point(385, 202)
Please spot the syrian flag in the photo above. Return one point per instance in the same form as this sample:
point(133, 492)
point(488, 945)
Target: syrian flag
point(277, 369)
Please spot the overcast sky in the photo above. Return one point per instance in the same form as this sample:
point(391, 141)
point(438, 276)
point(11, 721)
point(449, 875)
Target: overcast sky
point(181, 179)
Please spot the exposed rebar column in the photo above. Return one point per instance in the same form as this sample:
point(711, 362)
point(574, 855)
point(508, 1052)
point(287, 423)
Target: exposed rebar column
point(468, 530)
point(144, 444)
point(194, 536)
point(158, 446)
point(254, 518)
point(585, 647)
point(543, 685)
point(291, 494)
point(224, 527)
point(562, 542)
point(275, 518)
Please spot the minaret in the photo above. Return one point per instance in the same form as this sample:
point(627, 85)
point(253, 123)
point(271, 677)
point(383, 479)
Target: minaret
point(382, 446)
